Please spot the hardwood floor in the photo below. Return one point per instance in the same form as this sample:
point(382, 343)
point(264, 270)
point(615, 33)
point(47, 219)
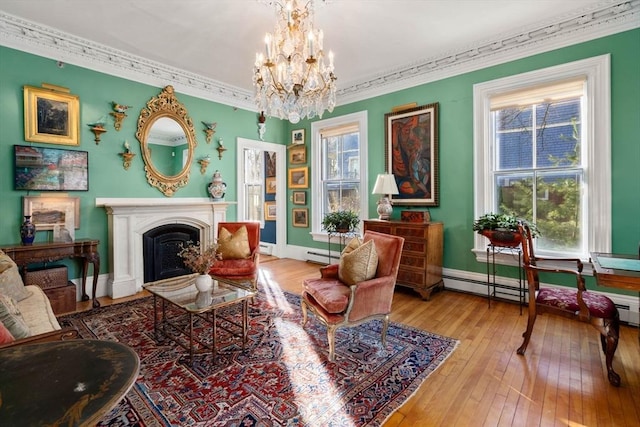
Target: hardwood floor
point(560, 381)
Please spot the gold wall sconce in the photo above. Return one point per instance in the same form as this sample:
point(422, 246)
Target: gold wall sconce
point(221, 148)
point(210, 130)
point(126, 159)
point(204, 164)
point(127, 155)
point(118, 113)
point(98, 129)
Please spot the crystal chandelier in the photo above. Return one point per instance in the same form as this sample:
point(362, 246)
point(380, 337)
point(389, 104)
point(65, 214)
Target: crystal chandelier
point(292, 80)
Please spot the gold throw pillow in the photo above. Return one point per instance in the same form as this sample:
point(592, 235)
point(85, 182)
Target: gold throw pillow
point(359, 263)
point(234, 246)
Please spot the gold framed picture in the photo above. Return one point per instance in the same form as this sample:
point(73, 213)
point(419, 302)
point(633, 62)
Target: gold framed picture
point(51, 116)
point(270, 185)
point(299, 197)
point(297, 137)
point(299, 177)
point(300, 217)
point(48, 212)
point(269, 211)
point(298, 155)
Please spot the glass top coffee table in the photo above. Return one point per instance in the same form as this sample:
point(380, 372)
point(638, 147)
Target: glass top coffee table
point(181, 293)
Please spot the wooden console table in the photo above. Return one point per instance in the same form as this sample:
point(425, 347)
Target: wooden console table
point(83, 249)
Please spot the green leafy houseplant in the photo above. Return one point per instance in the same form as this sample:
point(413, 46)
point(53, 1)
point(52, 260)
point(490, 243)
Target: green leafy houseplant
point(340, 221)
point(502, 229)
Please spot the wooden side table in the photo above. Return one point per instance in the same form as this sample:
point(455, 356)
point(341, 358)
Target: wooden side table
point(85, 250)
point(62, 383)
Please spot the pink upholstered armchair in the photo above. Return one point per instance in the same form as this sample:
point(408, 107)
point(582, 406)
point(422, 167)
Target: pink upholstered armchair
point(575, 303)
point(239, 267)
point(337, 305)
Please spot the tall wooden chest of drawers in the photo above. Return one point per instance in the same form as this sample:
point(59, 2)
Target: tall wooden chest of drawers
point(421, 261)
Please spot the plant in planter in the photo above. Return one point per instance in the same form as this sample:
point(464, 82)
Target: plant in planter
point(340, 221)
point(502, 229)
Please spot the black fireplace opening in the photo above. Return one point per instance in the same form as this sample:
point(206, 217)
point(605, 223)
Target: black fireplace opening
point(160, 250)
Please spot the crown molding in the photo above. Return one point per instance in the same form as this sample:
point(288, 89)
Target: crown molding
point(604, 19)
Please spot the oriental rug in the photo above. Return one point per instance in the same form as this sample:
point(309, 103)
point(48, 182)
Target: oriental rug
point(282, 378)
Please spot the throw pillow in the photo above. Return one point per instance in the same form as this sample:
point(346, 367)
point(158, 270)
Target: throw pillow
point(359, 264)
point(10, 281)
point(5, 335)
point(11, 318)
point(234, 246)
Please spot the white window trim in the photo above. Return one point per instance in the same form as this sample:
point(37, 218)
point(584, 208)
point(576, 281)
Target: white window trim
point(598, 122)
point(316, 152)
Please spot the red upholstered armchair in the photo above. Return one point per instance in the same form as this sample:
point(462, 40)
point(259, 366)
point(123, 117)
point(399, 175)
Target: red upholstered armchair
point(578, 303)
point(239, 267)
point(337, 305)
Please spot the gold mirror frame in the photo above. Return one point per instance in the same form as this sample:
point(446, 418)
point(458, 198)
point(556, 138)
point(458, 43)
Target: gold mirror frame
point(165, 105)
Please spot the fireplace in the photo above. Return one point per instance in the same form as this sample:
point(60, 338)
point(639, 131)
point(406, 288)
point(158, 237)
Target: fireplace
point(130, 219)
point(160, 247)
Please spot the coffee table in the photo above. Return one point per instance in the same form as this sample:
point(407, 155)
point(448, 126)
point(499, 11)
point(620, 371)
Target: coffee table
point(64, 383)
point(181, 293)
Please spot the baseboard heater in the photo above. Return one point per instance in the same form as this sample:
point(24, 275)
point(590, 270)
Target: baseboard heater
point(265, 249)
point(318, 257)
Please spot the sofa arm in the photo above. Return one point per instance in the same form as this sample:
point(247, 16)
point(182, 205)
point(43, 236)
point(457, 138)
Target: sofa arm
point(59, 335)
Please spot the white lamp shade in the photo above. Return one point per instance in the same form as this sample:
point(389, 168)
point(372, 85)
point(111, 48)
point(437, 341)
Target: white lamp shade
point(385, 184)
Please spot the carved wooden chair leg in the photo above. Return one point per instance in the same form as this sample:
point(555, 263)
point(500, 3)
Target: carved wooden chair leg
point(611, 343)
point(303, 305)
point(385, 328)
point(331, 336)
point(527, 334)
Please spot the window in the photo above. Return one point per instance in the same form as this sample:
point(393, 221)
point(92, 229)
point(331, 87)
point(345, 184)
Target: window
point(542, 153)
point(253, 185)
point(339, 171)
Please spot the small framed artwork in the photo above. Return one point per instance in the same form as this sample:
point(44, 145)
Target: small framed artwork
point(48, 212)
point(297, 137)
point(50, 169)
point(269, 211)
point(301, 217)
point(270, 185)
point(298, 155)
point(299, 177)
point(299, 197)
point(411, 154)
point(51, 115)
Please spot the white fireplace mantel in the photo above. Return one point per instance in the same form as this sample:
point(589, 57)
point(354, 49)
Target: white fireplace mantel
point(130, 218)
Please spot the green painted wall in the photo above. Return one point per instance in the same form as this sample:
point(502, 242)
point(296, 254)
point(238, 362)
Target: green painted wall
point(107, 177)
point(455, 96)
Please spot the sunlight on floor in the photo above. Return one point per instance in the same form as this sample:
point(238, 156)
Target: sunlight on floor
point(315, 393)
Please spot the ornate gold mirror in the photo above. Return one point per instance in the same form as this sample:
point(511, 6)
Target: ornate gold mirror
point(167, 140)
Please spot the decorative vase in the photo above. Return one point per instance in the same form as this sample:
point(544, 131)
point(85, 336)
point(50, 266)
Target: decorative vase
point(217, 187)
point(27, 231)
point(203, 299)
point(204, 282)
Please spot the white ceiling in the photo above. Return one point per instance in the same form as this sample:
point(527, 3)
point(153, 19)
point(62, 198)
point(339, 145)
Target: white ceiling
point(218, 39)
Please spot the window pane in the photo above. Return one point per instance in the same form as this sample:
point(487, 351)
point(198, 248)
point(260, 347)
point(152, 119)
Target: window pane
point(514, 139)
point(558, 211)
point(515, 194)
point(558, 136)
point(341, 172)
point(253, 182)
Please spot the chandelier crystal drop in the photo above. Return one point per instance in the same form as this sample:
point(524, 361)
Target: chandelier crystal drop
point(292, 79)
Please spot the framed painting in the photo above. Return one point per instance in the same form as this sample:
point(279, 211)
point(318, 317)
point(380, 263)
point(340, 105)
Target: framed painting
point(299, 177)
point(270, 185)
point(48, 212)
point(51, 115)
point(298, 155)
point(299, 197)
point(301, 217)
point(270, 211)
point(50, 169)
point(411, 154)
point(297, 137)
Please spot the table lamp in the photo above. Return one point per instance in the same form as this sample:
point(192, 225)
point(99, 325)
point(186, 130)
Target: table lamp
point(385, 185)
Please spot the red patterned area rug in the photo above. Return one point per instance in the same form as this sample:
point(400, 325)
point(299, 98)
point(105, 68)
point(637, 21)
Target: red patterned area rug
point(283, 377)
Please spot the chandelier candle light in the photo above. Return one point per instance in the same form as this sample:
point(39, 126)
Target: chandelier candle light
point(385, 185)
point(293, 81)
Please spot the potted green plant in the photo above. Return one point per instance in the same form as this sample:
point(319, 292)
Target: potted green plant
point(340, 221)
point(502, 229)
